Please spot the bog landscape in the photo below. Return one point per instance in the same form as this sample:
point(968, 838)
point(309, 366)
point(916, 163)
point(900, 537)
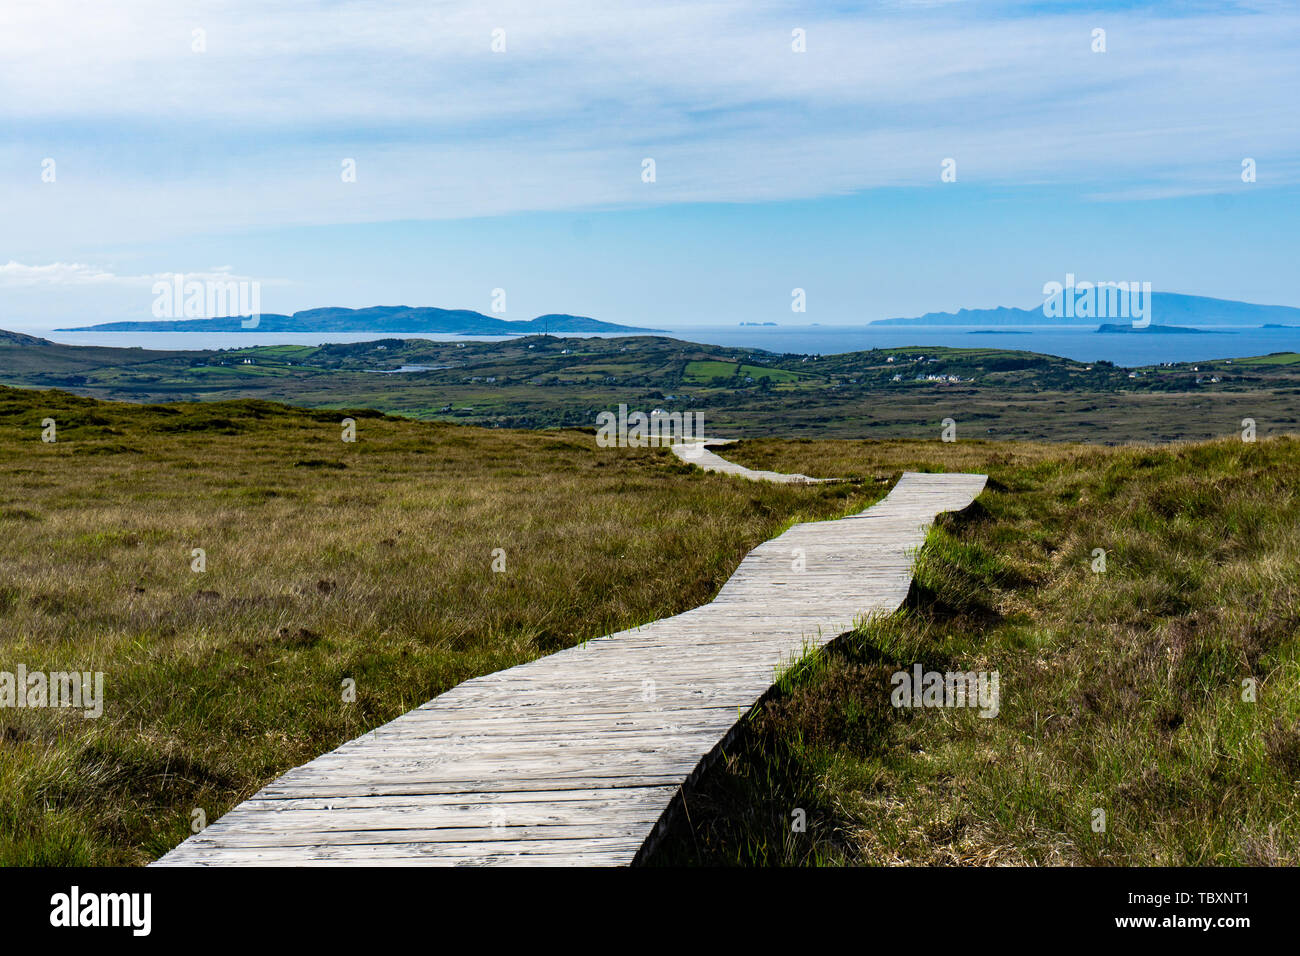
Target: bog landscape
point(640, 435)
point(327, 560)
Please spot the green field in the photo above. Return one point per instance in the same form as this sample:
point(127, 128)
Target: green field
point(707, 372)
point(1279, 358)
point(547, 382)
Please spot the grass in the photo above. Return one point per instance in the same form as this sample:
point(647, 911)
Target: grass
point(549, 382)
point(709, 371)
point(1274, 358)
point(1121, 690)
point(325, 560)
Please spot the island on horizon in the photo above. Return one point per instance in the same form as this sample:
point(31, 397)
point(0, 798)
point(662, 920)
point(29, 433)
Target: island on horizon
point(1119, 328)
point(392, 319)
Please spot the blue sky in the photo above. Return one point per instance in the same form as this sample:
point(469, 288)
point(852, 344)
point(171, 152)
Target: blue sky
point(522, 168)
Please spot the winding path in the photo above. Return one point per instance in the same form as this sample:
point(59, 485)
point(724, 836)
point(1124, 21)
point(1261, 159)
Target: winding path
point(697, 453)
point(577, 757)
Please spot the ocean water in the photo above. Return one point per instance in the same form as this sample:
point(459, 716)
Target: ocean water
point(1082, 345)
point(182, 341)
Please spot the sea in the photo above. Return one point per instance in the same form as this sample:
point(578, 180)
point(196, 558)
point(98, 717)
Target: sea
point(1083, 344)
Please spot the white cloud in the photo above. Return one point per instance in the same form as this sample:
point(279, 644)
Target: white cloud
point(55, 273)
point(153, 139)
point(77, 274)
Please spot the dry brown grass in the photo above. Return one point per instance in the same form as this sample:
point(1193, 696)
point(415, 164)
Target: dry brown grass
point(325, 560)
point(1121, 690)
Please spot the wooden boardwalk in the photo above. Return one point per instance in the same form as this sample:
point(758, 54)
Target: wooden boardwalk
point(697, 453)
point(575, 758)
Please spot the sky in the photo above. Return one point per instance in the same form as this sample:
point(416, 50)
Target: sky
point(504, 145)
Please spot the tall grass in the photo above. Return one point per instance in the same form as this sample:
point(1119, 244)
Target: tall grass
point(325, 560)
point(1124, 691)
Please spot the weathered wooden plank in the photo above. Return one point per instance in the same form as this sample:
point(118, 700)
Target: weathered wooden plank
point(548, 800)
point(697, 453)
point(593, 851)
point(342, 786)
point(574, 758)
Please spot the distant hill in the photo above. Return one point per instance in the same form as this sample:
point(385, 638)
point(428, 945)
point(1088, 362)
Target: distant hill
point(388, 319)
point(18, 338)
point(1167, 308)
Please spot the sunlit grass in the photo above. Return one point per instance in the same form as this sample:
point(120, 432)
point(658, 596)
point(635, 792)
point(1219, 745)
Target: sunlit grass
point(1121, 690)
point(325, 560)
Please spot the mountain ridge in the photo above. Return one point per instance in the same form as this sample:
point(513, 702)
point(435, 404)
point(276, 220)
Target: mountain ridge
point(1166, 308)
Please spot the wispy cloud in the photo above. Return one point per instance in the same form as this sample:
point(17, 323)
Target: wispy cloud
point(153, 139)
point(78, 274)
point(54, 273)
